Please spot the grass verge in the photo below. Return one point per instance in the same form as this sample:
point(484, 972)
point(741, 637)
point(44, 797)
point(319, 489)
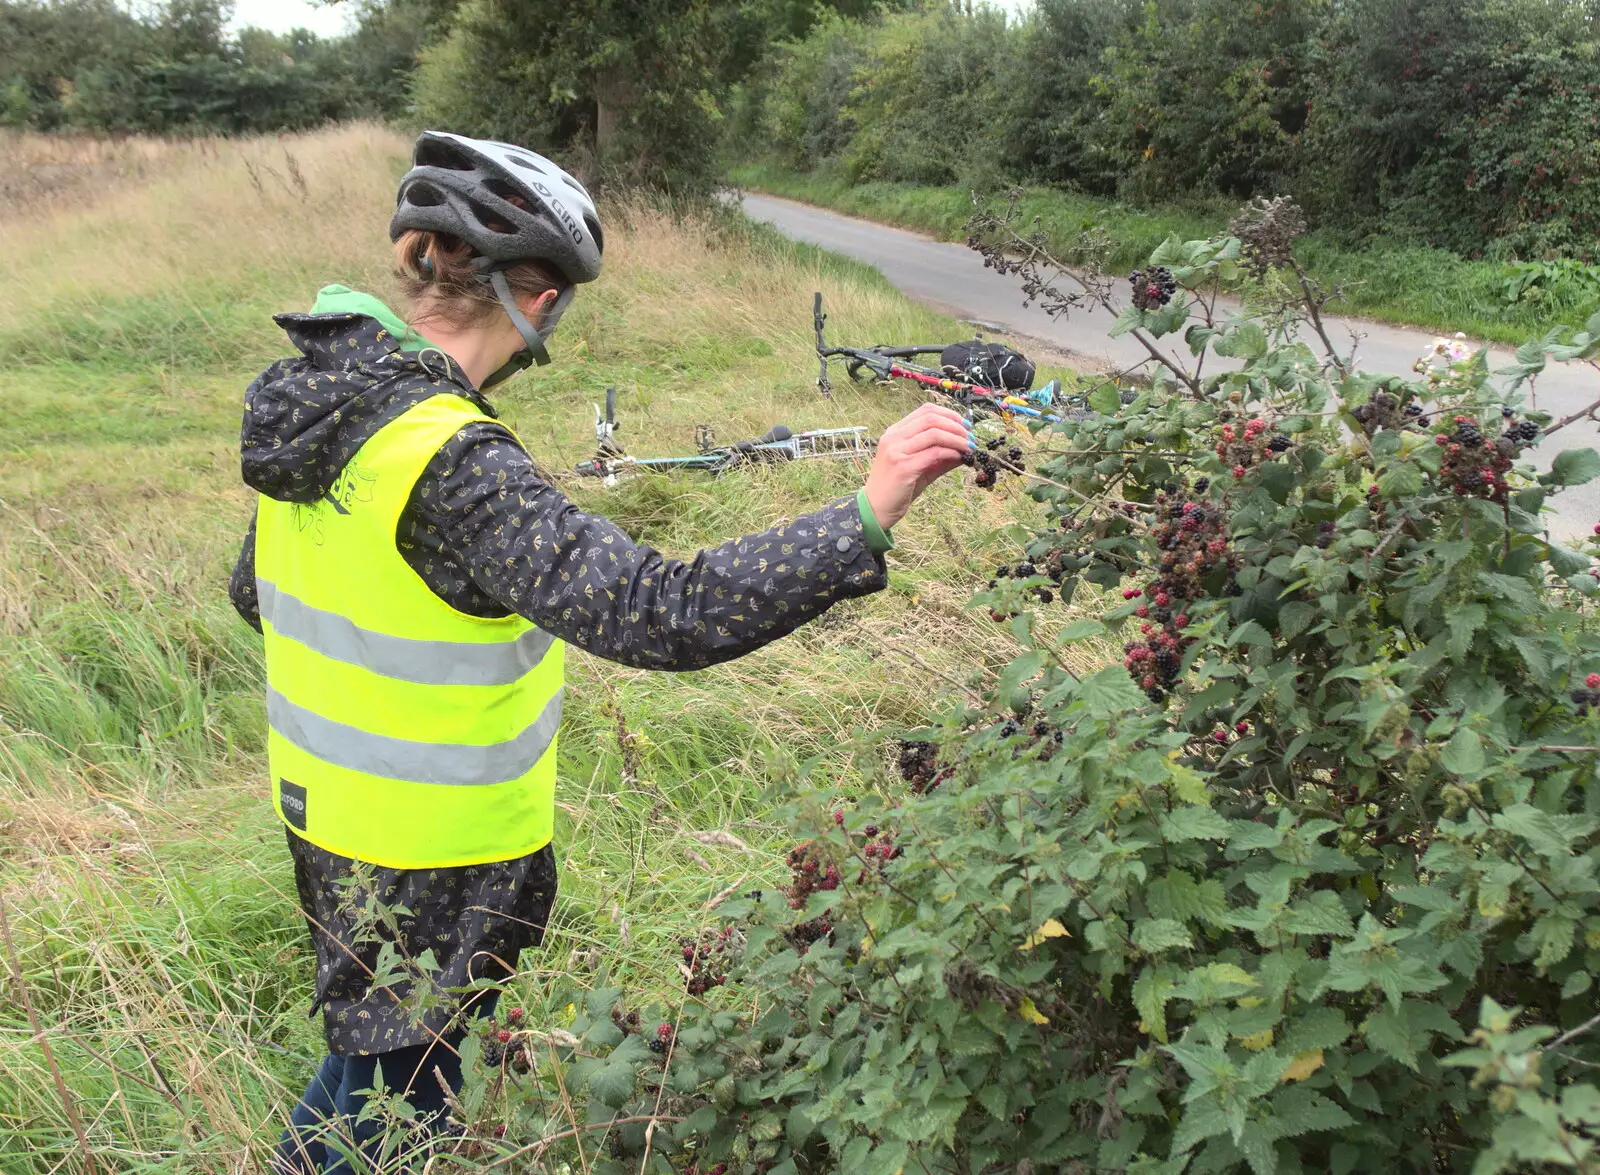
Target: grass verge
point(143, 876)
point(1391, 281)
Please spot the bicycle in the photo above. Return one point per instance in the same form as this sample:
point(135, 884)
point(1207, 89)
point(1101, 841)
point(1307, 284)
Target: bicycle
point(777, 445)
point(884, 363)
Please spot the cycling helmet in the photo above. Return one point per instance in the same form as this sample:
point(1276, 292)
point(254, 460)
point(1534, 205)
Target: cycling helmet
point(461, 186)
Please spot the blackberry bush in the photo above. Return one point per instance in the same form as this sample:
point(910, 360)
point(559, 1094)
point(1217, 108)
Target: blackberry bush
point(1305, 880)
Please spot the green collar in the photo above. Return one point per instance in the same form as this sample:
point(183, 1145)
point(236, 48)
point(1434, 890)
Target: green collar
point(344, 300)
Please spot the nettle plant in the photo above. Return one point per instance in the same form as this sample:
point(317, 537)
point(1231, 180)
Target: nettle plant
point(1305, 881)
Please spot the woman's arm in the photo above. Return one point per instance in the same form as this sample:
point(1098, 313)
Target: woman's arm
point(484, 509)
point(242, 583)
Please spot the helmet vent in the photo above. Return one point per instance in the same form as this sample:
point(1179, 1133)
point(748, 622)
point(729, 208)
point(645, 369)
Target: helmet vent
point(593, 226)
point(507, 192)
point(526, 163)
point(424, 195)
point(434, 153)
point(490, 219)
point(572, 183)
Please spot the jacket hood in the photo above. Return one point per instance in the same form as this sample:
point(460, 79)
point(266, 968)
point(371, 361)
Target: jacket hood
point(359, 367)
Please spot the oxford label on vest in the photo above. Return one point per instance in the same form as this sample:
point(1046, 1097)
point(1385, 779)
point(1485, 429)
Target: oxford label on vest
point(292, 797)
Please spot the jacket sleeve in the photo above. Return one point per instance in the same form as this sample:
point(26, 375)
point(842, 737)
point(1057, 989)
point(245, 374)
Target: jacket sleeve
point(579, 576)
point(242, 583)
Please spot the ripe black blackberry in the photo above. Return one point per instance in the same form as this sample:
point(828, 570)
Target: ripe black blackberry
point(1152, 288)
point(917, 761)
point(803, 934)
point(1279, 443)
point(659, 1047)
point(493, 1052)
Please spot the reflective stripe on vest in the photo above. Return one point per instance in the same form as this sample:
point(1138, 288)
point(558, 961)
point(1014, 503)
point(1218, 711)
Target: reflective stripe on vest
point(403, 658)
point(449, 764)
point(400, 731)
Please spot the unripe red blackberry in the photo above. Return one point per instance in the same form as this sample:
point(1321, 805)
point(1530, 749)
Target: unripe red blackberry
point(515, 1015)
point(1592, 681)
point(503, 1036)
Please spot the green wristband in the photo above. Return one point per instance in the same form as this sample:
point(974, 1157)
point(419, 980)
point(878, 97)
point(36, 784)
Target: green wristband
point(878, 539)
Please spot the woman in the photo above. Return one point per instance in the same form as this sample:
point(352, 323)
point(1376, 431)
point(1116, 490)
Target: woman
point(414, 578)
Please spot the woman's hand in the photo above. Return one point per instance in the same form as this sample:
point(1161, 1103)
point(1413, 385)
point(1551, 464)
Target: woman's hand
point(912, 454)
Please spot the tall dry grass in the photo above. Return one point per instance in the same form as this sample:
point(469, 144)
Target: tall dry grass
point(145, 884)
point(41, 174)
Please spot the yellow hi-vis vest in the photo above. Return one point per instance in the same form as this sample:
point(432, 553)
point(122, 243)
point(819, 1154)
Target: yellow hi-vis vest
point(402, 731)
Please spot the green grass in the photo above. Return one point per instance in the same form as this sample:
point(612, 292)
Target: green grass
point(1390, 281)
point(141, 870)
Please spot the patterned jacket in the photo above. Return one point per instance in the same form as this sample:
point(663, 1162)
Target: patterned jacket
point(491, 536)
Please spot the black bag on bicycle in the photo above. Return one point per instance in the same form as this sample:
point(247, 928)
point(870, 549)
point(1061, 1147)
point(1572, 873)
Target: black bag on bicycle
point(991, 364)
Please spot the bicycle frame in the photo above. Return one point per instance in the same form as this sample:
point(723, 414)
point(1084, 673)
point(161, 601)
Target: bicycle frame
point(779, 444)
point(882, 362)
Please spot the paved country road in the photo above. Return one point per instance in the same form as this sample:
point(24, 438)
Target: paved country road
point(952, 279)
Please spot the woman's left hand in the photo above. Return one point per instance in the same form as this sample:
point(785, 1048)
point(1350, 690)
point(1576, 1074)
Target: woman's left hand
point(913, 453)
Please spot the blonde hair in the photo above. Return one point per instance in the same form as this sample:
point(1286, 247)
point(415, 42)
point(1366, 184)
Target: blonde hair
point(438, 267)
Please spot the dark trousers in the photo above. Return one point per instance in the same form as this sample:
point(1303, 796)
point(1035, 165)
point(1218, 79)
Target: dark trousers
point(324, 1135)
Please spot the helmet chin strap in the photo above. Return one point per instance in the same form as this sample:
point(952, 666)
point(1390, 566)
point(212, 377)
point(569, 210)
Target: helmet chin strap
point(534, 349)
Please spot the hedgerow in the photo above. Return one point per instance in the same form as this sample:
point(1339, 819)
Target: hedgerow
point(1307, 882)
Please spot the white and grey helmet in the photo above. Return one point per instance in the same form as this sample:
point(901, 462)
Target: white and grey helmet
point(508, 205)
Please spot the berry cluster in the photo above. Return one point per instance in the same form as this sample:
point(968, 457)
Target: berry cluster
point(1471, 466)
point(1584, 698)
point(628, 1022)
point(803, 934)
point(1062, 553)
point(663, 1039)
point(990, 462)
point(879, 850)
point(810, 871)
point(1024, 570)
point(1152, 288)
point(1267, 230)
point(705, 959)
point(1193, 541)
point(1222, 736)
point(1521, 433)
point(1240, 448)
point(919, 766)
point(501, 1046)
point(1386, 410)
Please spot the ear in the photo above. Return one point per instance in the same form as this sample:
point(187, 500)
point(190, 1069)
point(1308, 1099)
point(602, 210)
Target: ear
point(536, 306)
